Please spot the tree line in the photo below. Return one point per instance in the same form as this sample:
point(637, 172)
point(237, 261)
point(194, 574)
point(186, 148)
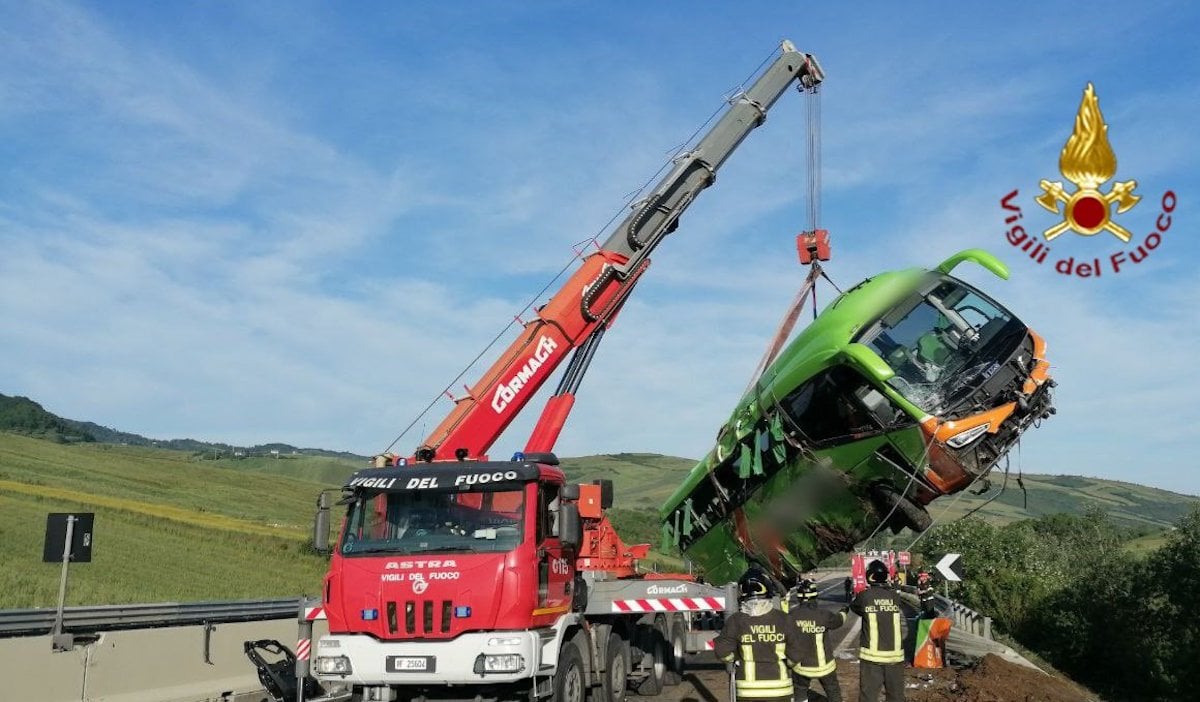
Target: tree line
point(1065, 587)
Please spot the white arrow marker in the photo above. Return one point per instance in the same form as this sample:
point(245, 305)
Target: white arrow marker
point(951, 567)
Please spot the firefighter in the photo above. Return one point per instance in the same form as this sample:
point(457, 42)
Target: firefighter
point(813, 649)
point(848, 586)
point(925, 594)
point(880, 652)
point(755, 640)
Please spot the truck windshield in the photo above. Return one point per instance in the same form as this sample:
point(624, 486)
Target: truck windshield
point(943, 343)
point(424, 521)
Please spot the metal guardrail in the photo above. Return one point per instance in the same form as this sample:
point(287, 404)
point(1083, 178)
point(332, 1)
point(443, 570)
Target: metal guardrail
point(36, 622)
point(965, 618)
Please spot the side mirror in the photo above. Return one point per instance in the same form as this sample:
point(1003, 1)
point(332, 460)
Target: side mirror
point(866, 360)
point(983, 258)
point(320, 537)
point(570, 527)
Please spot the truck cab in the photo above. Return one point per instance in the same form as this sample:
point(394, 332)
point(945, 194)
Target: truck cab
point(448, 572)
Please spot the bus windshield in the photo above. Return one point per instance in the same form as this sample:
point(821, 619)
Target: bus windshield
point(943, 343)
point(425, 521)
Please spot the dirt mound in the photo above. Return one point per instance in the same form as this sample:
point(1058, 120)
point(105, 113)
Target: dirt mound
point(993, 679)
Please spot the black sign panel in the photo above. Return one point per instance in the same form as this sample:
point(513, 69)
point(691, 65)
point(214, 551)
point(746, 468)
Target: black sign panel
point(56, 537)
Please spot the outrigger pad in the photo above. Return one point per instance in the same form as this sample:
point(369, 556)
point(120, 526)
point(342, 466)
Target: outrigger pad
point(278, 678)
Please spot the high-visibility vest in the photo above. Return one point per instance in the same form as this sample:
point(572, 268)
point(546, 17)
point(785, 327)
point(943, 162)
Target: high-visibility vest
point(881, 639)
point(813, 649)
point(759, 647)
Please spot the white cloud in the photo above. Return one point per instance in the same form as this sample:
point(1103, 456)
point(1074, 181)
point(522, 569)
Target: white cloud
point(192, 250)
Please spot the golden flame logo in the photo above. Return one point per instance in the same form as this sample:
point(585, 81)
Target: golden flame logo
point(1088, 161)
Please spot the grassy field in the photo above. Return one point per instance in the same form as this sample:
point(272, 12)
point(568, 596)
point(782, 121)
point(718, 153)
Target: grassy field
point(1126, 503)
point(168, 527)
point(171, 526)
point(640, 480)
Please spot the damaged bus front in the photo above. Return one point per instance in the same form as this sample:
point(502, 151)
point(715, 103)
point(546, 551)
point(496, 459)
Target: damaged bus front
point(909, 386)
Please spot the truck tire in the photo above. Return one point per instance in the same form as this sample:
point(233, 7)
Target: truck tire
point(676, 654)
point(654, 682)
point(616, 670)
point(569, 682)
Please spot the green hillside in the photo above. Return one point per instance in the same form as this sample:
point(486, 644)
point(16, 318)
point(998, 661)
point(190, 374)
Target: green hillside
point(22, 415)
point(174, 525)
point(168, 525)
point(1127, 504)
point(640, 480)
point(643, 482)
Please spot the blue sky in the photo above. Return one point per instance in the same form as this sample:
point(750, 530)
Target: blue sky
point(252, 222)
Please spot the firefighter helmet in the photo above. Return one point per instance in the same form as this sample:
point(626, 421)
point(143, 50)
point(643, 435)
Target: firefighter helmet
point(923, 578)
point(877, 572)
point(755, 584)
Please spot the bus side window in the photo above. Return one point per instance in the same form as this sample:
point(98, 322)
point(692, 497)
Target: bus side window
point(823, 409)
point(880, 406)
point(838, 403)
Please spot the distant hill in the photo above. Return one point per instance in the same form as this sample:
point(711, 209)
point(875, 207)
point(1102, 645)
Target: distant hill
point(640, 480)
point(644, 481)
point(1128, 504)
point(239, 527)
point(22, 415)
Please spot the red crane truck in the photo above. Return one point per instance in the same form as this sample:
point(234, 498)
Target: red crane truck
point(456, 577)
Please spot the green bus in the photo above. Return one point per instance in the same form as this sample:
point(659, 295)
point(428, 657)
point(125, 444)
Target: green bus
point(907, 387)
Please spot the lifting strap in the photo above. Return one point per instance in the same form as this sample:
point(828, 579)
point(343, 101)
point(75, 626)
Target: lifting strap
point(789, 322)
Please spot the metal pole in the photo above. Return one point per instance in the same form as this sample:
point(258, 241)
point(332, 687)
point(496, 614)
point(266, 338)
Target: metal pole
point(301, 662)
point(303, 646)
point(731, 607)
point(57, 641)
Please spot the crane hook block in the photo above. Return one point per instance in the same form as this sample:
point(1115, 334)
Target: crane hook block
point(813, 246)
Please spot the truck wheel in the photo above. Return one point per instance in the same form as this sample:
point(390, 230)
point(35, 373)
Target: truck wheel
point(676, 655)
point(653, 684)
point(569, 685)
point(616, 674)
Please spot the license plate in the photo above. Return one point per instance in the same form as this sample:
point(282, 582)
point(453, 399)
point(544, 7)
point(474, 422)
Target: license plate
point(410, 664)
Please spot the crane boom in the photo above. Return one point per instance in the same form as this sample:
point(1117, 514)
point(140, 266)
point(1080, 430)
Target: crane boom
point(577, 315)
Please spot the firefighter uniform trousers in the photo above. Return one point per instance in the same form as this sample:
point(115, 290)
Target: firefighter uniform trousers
point(758, 644)
point(880, 652)
point(813, 650)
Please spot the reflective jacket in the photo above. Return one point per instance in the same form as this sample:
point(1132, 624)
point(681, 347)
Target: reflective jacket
point(881, 640)
point(926, 595)
point(758, 643)
point(813, 651)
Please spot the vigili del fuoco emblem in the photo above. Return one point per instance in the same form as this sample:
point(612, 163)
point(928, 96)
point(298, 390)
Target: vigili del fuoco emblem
point(1088, 161)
